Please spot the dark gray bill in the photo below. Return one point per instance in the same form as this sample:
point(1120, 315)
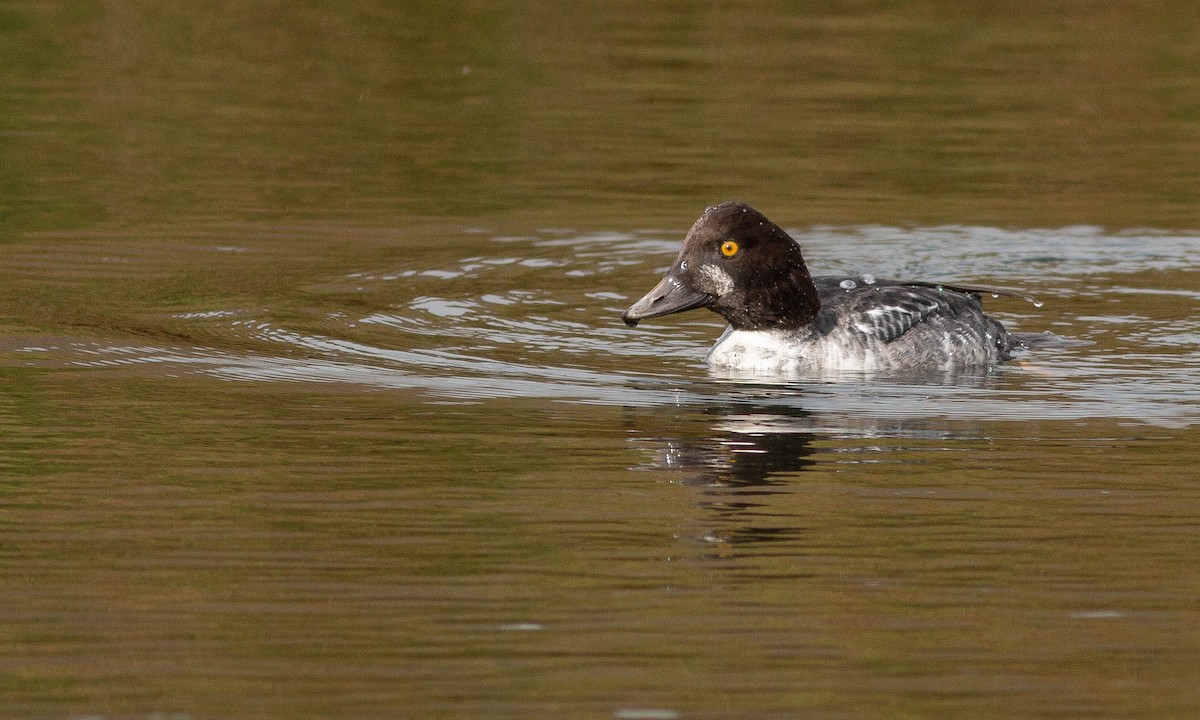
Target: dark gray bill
point(668, 296)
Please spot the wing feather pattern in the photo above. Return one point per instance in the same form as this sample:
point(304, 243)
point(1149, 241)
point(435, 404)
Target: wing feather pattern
point(887, 310)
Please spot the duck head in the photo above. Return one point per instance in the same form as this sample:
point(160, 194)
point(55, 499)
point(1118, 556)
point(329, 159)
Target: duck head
point(737, 263)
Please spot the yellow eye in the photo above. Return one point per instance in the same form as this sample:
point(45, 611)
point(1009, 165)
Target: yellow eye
point(729, 248)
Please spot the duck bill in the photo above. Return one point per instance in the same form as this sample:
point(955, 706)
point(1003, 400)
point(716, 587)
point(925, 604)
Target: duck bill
point(669, 296)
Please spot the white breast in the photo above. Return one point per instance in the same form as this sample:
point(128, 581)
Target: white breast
point(776, 351)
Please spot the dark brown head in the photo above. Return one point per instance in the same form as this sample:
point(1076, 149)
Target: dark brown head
point(737, 263)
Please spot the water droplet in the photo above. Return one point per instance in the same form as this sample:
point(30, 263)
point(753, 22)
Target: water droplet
point(868, 279)
point(848, 284)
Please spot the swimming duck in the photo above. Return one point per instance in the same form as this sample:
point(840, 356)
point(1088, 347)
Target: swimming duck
point(737, 263)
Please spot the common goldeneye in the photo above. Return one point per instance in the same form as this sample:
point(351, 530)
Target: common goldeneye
point(742, 266)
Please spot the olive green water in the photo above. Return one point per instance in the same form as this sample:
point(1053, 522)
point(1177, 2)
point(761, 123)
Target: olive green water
point(315, 401)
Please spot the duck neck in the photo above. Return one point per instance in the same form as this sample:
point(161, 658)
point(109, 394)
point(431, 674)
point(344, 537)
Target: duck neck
point(789, 303)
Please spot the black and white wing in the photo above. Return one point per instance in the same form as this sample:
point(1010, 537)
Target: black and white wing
point(914, 321)
point(886, 310)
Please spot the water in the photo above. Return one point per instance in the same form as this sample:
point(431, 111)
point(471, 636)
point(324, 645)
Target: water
point(315, 400)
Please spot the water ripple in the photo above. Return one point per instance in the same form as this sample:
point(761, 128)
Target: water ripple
point(532, 329)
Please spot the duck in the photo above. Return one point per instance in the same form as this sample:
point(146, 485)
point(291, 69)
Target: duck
point(737, 263)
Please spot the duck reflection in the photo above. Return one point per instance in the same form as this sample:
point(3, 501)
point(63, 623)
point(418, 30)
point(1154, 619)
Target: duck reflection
point(749, 447)
point(746, 457)
point(745, 445)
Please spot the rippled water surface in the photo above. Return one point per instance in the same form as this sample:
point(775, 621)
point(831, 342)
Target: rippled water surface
point(315, 400)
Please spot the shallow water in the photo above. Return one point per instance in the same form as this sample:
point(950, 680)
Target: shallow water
point(315, 400)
